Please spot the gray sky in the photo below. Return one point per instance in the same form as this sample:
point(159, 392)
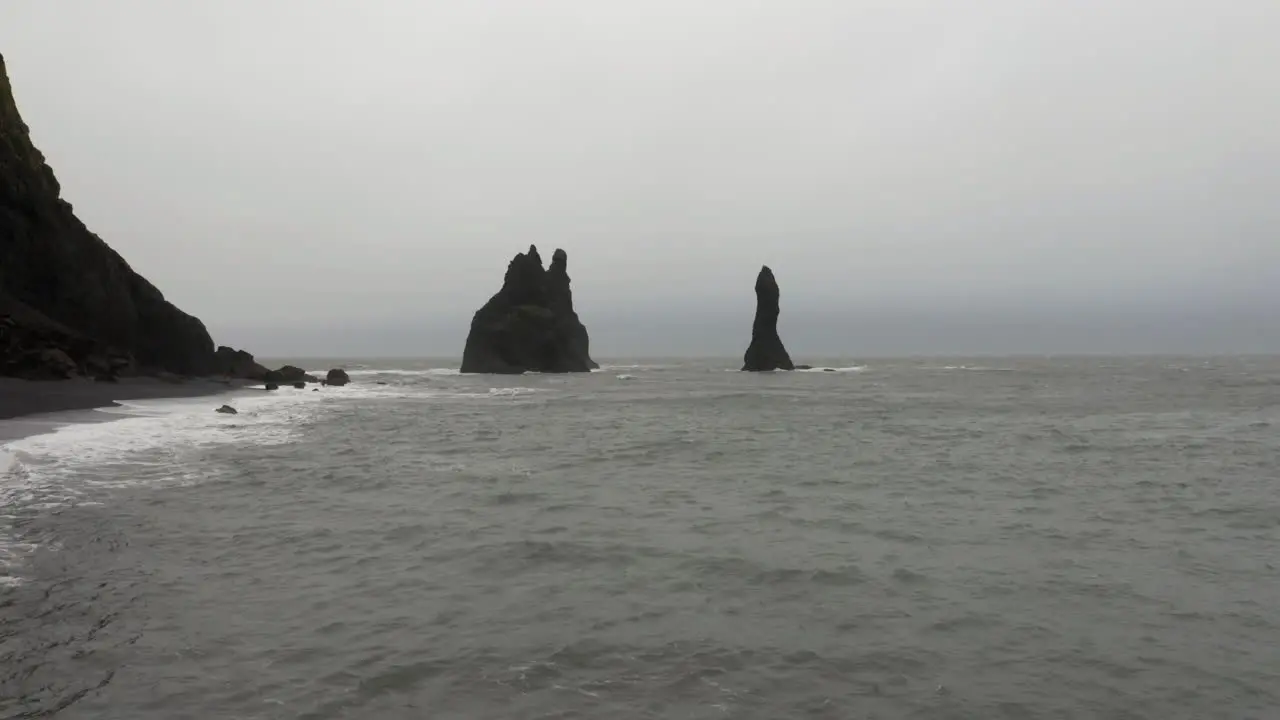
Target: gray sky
point(924, 176)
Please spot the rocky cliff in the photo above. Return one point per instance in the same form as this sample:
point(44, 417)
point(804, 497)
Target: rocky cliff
point(62, 288)
point(530, 324)
point(766, 351)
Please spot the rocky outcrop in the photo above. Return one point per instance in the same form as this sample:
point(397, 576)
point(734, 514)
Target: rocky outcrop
point(289, 375)
point(36, 348)
point(237, 364)
point(530, 324)
point(53, 267)
point(337, 376)
point(766, 351)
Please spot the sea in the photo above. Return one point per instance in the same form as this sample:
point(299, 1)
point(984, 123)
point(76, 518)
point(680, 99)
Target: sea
point(1030, 537)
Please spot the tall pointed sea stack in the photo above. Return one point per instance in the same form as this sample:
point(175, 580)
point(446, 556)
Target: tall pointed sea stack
point(766, 351)
point(530, 325)
point(69, 304)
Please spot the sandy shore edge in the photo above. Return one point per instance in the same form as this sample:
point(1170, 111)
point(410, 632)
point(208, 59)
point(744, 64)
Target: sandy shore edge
point(30, 407)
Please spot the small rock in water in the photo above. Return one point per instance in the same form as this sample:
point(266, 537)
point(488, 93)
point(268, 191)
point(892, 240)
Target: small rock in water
point(337, 376)
point(382, 382)
point(227, 410)
point(828, 369)
point(804, 367)
point(300, 385)
point(272, 386)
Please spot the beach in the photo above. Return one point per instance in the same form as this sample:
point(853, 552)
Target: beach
point(29, 407)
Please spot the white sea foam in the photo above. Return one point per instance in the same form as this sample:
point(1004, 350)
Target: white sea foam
point(427, 372)
point(513, 391)
point(140, 443)
point(849, 369)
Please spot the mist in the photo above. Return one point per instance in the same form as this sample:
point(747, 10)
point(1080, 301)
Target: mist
point(334, 178)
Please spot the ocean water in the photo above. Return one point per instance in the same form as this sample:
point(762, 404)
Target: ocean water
point(993, 538)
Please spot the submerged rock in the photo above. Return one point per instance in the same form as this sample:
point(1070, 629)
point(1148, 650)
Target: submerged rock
point(300, 385)
point(227, 410)
point(336, 376)
point(530, 324)
point(272, 386)
point(766, 351)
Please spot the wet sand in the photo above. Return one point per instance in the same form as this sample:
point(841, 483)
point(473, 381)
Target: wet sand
point(27, 407)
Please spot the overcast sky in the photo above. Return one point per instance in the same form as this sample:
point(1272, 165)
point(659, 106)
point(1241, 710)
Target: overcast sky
point(311, 176)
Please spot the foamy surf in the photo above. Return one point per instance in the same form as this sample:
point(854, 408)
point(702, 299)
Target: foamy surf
point(137, 444)
point(428, 372)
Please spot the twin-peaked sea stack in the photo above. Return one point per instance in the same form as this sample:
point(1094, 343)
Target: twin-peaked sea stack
point(766, 351)
point(530, 324)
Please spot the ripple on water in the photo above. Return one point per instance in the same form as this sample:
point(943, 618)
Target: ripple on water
point(1055, 540)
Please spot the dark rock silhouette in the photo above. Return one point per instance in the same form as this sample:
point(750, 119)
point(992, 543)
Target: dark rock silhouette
point(34, 347)
point(337, 376)
point(766, 351)
point(272, 386)
point(65, 288)
point(227, 410)
point(530, 324)
point(238, 364)
point(300, 385)
point(289, 375)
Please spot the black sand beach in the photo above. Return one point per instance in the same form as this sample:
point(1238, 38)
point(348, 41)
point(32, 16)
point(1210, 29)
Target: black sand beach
point(23, 398)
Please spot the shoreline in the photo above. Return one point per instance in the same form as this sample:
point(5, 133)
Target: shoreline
point(33, 407)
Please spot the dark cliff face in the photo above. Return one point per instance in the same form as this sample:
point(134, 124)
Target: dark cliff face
point(766, 351)
point(52, 266)
point(530, 324)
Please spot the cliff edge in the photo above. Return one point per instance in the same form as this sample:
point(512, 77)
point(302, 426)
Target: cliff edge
point(65, 291)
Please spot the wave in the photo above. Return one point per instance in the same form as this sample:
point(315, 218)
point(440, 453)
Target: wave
point(818, 369)
point(140, 443)
point(508, 392)
point(428, 372)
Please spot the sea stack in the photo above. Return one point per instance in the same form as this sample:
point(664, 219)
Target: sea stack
point(766, 351)
point(69, 304)
point(530, 324)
